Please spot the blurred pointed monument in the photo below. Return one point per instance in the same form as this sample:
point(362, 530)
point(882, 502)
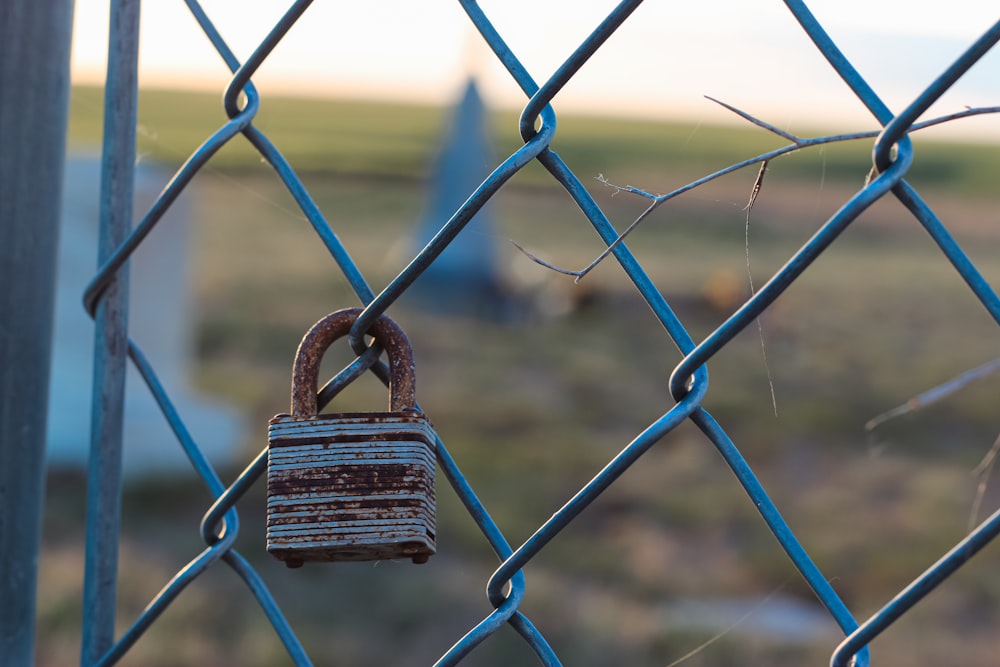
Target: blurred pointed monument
point(465, 279)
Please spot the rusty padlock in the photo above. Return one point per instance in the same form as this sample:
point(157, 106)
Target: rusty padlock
point(355, 486)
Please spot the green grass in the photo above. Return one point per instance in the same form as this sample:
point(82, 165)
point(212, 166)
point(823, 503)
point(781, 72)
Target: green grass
point(532, 410)
point(397, 140)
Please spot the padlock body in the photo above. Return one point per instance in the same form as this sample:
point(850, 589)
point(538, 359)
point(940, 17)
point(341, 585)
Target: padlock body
point(351, 487)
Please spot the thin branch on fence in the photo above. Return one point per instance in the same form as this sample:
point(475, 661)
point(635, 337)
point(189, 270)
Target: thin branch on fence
point(628, 188)
point(934, 395)
point(725, 631)
point(757, 121)
point(798, 143)
point(985, 468)
point(983, 471)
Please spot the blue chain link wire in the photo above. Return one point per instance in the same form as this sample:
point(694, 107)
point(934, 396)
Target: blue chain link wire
point(688, 384)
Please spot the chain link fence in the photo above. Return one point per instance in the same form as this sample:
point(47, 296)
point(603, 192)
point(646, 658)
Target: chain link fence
point(892, 156)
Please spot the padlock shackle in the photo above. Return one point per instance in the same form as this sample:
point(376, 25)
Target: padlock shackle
point(305, 371)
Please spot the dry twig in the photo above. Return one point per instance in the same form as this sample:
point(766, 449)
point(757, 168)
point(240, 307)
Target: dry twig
point(933, 395)
point(798, 143)
point(983, 471)
point(760, 327)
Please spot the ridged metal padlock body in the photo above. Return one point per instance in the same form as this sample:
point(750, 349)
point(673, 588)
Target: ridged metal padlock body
point(356, 486)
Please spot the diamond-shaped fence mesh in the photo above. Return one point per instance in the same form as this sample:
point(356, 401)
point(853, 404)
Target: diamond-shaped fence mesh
point(684, 406)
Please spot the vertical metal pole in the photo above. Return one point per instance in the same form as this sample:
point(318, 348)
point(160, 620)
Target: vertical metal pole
point(111, 336)
point(35, 40)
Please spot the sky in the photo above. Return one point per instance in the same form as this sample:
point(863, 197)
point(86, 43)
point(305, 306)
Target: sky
point(660, 64)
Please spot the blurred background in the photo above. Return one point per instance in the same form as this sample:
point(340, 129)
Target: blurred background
point(537, 382)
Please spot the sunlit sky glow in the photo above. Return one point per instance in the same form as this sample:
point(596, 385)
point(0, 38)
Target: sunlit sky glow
point(660, 64)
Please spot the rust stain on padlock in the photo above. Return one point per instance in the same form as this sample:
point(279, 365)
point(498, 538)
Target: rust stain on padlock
point(354, 480)
point(356, 486)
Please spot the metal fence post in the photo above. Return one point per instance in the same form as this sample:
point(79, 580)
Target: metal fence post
point(111, 336)
point(35, 41)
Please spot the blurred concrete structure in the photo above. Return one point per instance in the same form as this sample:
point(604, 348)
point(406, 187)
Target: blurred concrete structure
point(159, 321)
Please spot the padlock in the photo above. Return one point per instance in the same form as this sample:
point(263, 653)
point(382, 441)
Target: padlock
point(355, 486)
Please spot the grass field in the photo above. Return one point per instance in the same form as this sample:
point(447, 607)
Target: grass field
point(532, 409)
